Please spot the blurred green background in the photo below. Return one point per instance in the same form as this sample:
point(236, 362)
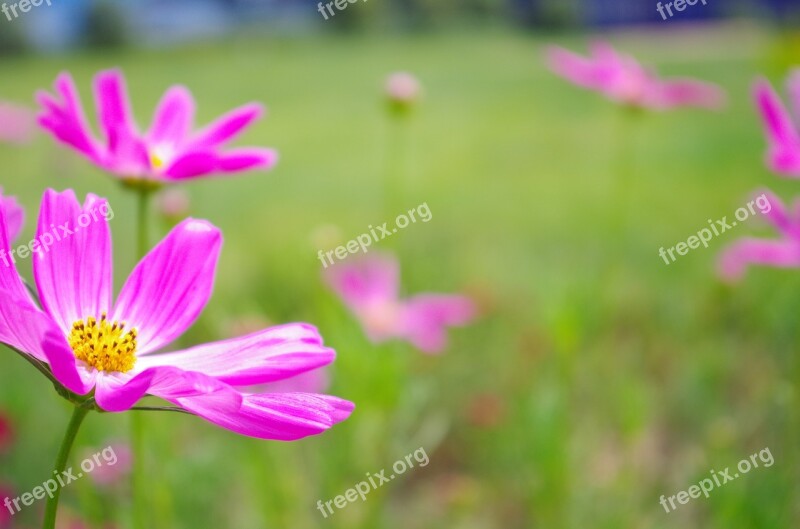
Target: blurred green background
point(597, 378)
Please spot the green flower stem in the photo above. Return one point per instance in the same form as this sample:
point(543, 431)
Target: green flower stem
point(138, 466)
point(61, 463)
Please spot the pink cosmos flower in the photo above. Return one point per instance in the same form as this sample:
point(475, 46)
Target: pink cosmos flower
point(782, 253)
point(403, 87)
point(89, 343)
point(623, 80)
point(15, 215)
point(783, 132)
point(370, 287)
point(113, 469)
point(16, 123)
point(168, 152)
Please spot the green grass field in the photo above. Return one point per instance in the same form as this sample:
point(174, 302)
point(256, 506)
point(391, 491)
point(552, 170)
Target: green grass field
point(597, 379)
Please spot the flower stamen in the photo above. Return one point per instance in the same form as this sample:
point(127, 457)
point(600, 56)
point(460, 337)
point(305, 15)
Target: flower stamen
point(103, 345)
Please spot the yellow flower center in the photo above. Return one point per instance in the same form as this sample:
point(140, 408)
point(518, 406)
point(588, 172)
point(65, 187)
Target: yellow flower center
point(156, 161)
point(103, 345)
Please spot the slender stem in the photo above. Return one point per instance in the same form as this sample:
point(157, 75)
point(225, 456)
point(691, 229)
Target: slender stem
point(395, 165)
point(138, 467)
point(61, 463)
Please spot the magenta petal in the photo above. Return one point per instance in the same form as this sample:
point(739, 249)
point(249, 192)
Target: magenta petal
point(63, 363)
point(173, 118)
point(686, 92)
point(127, 151)
point(579, 70)
point(266, 356)
point(23, 325)
point(14, 216)
point(225, 128)
point(235, 160)
point(73, 271)
point(68, 122)
point(793, 89)
point(119, 392)
point(170, 287)
point(781, 132)
point(426, 318)
point(192, 164)
point(736, 258)
point(779, 216)
point(278, 416)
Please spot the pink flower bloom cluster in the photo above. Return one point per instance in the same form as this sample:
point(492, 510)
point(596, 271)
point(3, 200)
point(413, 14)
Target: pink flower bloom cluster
point(370, 288)
point(783, 156)
point(623, 80)
point(92, 343)
point(168, 152)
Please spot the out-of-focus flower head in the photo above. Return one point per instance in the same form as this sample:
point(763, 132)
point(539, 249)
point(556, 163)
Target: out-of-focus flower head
point(370, 287)
point(403, 90)
point(17, 123)
point(783, 252)
point(781, 125)
point(173, 204)
point(623, 80)
point(115, 462)
point(168, 152)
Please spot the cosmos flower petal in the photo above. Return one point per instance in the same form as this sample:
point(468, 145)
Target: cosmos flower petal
point(426, 318)
point(270, 355)
point(14, 216)
point(119, 392)
point(737, 257)
point(235, 160)
point(63, 364)
point(126, 150)
point(276, 416)
point(192, 164)
point(576, 69)
point(174, 117)
point(67, 121)
point(784, 154)
point(172, 284)
point(366, 281)
point(74, 274)
point(10, 281)
point(689, 93)
point(778, 215)
point(23, 325)
point(226, 127)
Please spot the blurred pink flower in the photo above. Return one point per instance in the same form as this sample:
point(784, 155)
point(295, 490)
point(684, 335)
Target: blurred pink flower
point(370, 287)
point(403, 87)
point(6, 433)
point(783, 132)
point(5, 516)
point(623, 80)
point(163, 297)
point(781, 253)
point(169, 152)
point(173, 203)
point(108, 473)
point(14, 214)
point(16, 123)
